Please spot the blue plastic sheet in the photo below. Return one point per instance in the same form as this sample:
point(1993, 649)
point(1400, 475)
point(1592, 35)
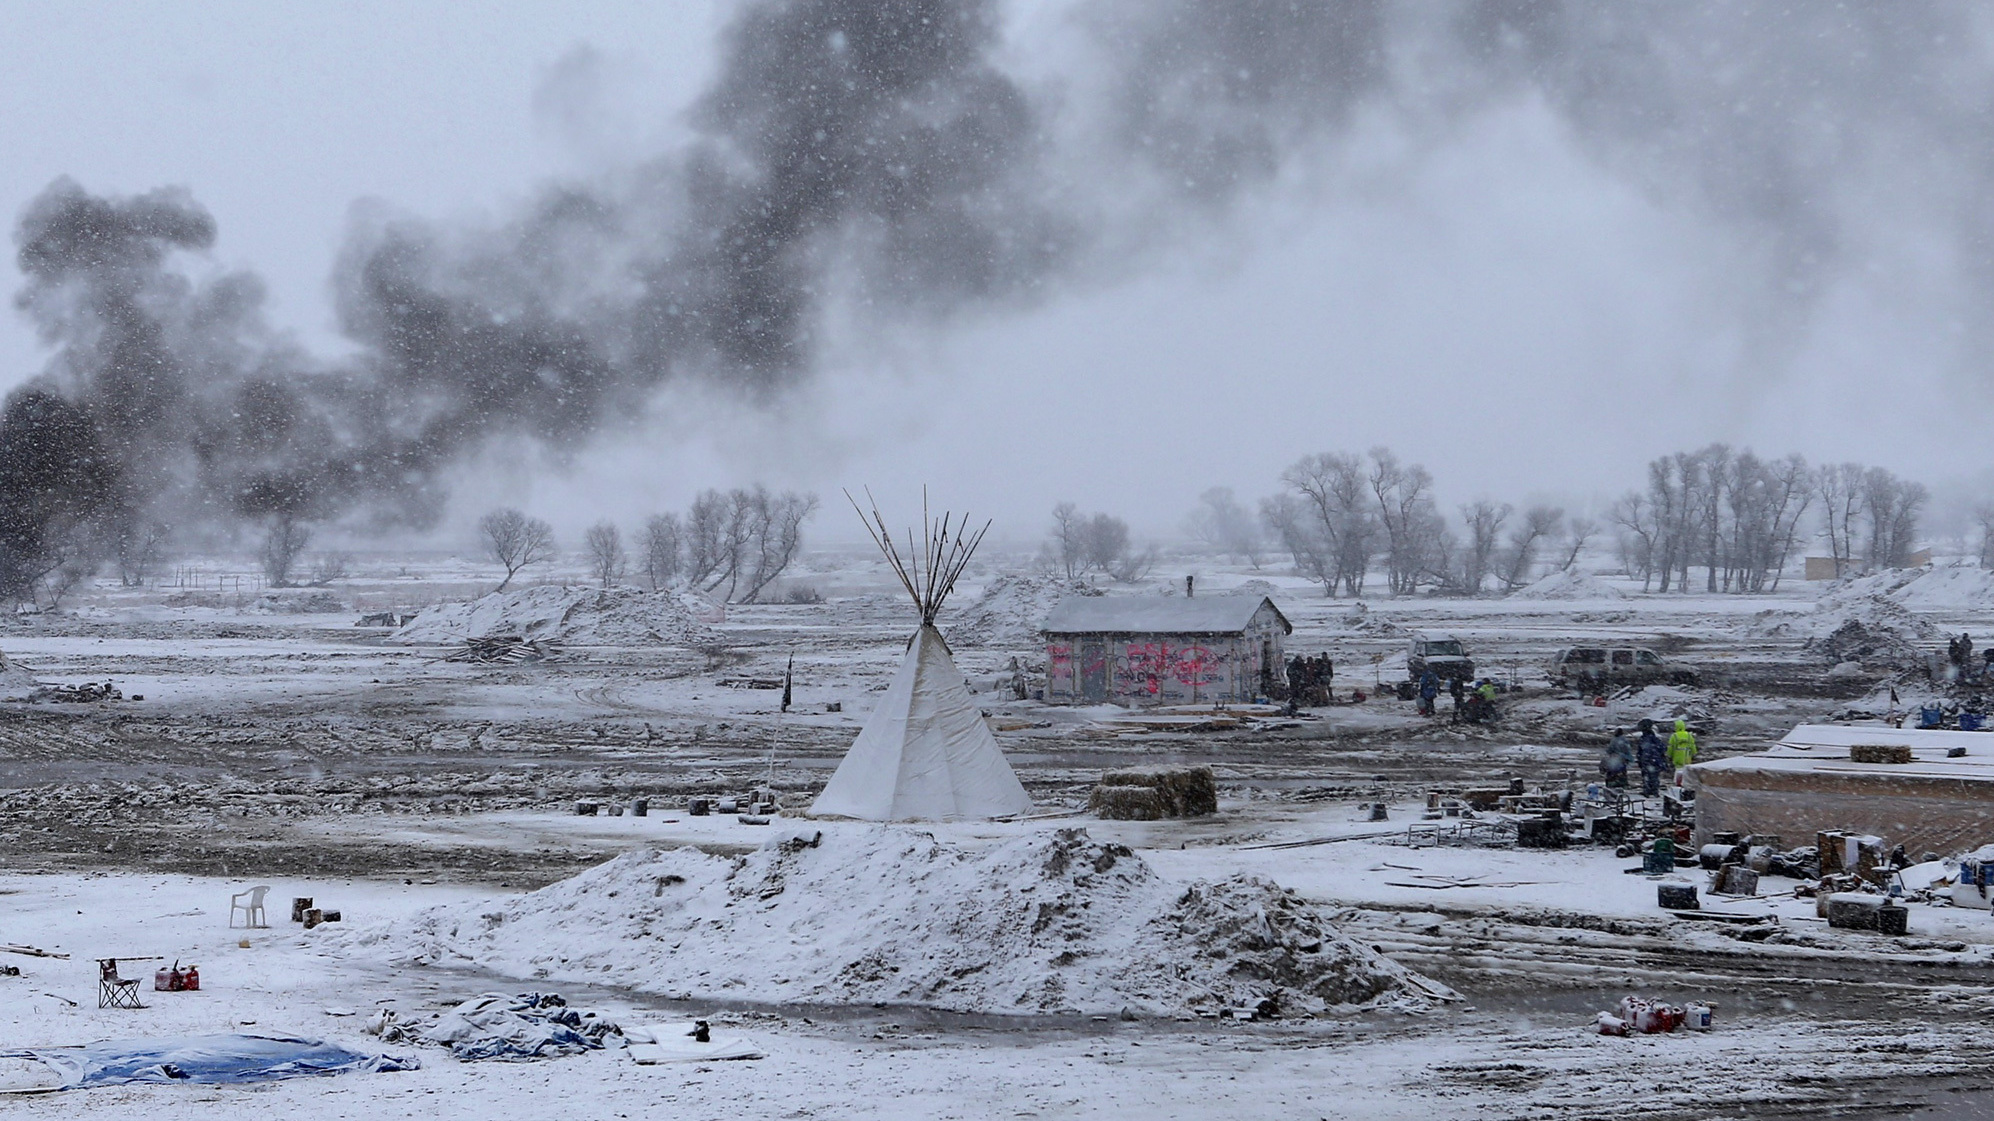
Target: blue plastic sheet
point(207, 1058)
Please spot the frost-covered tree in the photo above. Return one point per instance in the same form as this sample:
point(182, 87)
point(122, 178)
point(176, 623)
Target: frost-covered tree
point(515, 541)
point(603, 545)
point(662, 555)
point(1223, 525)
point(1328, 527)
point(283, 543)
point(1484, 520)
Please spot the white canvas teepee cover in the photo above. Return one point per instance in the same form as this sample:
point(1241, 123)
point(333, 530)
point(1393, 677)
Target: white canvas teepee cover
point(925, 753)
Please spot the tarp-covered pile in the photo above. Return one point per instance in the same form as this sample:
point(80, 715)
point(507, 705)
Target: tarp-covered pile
point(499, 1026)
point(206, 1058)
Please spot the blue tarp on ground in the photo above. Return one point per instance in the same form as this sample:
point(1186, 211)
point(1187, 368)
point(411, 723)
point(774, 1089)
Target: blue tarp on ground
point(207, 1058)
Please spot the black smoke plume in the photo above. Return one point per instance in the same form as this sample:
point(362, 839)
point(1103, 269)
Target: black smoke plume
point(878, 148)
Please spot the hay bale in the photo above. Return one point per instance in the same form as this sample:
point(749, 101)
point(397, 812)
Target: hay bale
point(1880, 752)
point(1171, 792)
point(1128, 803)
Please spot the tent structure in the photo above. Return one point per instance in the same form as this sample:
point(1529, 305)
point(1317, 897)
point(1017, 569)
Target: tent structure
point(925, 753)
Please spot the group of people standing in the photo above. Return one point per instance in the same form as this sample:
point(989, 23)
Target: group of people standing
point(1474, 704)
point(1656, 759)
point(1309, 680)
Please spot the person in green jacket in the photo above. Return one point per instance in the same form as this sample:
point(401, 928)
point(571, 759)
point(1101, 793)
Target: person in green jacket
point(1682, 746)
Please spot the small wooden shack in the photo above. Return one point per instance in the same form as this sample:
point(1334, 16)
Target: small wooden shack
point(1163, 650)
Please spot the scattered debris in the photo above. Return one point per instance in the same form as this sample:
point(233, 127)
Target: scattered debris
point(87, 692)
point(503, 649)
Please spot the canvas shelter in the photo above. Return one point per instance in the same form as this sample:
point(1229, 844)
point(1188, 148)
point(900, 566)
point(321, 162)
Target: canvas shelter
point(925, 752)
point(1152, 650)
point(1807, 783)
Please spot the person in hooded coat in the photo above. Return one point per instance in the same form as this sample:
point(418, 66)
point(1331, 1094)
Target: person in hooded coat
point(1682, 746)
point(1619, 756)
point(1652, 757)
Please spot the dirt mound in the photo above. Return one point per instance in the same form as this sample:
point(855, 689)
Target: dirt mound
point(564, 616)
point(1569, 585)
point(1873, 630)
point(1046, 923)
point(1011, 610)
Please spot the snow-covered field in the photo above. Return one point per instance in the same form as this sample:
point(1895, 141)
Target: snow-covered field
point(420, 796)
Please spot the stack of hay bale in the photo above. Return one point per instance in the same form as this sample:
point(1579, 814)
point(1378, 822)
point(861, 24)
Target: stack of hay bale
point(1150, 794)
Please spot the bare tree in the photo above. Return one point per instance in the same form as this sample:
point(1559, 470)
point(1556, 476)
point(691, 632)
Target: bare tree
point(1841, 486)
point(1633, 519)
point(1484, 520)
point(1221, 524)
point(141, 547)
point(705, 537)
point(1539, 522)
point(604, 545)
point(1983, 519)
point(1578, 531)
point(1893, 506)
point(282, 545)
point(328, 567)
point(1332, 515)
point(777, 536)
point(1104, 542)
point(515, 541)
point(1066, 546)
point(1414, 531)
point(662, 556)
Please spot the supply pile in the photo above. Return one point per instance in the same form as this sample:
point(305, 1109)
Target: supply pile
point(1054, 922)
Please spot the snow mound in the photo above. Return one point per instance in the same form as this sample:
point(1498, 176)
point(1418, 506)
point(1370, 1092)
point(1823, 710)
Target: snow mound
point(1052, 922)
point(1011, 610)
point(1923, 589)
point(574, 616)
point(1872, 630)
point(1569, 585)
point(311, 601)
point(1359, 619)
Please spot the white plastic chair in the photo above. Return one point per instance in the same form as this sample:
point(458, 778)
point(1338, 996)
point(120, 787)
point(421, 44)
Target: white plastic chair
point(252, 911)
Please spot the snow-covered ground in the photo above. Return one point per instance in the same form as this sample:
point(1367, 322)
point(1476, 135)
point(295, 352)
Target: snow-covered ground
point(316, 756)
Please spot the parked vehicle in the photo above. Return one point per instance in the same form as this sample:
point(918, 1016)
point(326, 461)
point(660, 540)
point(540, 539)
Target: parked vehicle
point(1443, 654)
point(1616, 665)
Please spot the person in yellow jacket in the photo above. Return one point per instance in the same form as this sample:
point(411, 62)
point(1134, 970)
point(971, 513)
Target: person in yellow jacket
point(1682, 746)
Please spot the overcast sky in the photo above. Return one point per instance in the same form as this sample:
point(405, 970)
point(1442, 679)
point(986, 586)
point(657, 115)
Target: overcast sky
point(1496, 296)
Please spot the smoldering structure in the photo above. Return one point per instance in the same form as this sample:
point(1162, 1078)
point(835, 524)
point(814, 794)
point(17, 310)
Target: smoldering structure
point(882, 148)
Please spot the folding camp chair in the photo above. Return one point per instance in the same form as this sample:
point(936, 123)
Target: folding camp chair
point(114, 991)
point(250, 903)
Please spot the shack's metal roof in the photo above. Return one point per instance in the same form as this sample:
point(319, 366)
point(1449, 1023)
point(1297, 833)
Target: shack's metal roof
point(1158, 615)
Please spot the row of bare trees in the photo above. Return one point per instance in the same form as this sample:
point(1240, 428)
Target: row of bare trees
point(735, 543)
point(1726, 515)
point(1739, 519)
point(1082, 544)
point(1339, 514)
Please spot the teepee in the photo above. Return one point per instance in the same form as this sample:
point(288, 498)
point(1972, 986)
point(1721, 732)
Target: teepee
point(925, 753)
